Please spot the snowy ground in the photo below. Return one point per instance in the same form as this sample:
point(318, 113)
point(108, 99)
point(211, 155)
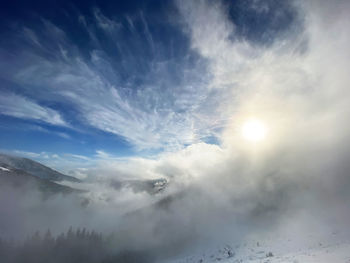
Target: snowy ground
point(313, 249)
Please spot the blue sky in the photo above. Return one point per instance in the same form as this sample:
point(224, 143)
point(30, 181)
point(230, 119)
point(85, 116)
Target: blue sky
point(125, 78)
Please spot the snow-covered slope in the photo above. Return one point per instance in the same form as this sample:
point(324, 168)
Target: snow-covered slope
point(4, 169)
point(336, 249)
point(35, 168)
point(12, 178)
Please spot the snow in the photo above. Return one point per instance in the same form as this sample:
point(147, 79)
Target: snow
point(335, 250)
point(4, 169)
point(338, 253)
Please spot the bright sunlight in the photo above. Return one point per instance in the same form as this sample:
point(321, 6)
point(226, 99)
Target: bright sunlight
point(254, 130)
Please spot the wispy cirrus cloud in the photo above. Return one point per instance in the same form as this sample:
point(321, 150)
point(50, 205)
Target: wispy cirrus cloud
point(153, 102)
point(21, 107)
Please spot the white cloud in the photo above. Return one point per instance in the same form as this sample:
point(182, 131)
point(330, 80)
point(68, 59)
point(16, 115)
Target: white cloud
point(26, 153)
point(302, 167)
point(159, 113)
point(298, 86)
point(21, 107)
point(105, 23)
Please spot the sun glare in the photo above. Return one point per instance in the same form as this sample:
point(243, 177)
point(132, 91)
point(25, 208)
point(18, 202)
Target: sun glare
point(254, 130)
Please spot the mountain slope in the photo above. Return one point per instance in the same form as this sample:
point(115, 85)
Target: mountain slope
point(333, 247)
point(152, 186)
point(35, 169)
point(11, 177)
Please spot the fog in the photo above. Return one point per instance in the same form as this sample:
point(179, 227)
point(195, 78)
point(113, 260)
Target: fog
point(297, 179)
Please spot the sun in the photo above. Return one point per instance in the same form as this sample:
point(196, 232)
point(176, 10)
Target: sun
point(254, 130)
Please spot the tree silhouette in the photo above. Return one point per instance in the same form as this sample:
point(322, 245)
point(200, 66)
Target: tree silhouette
point(73, 247)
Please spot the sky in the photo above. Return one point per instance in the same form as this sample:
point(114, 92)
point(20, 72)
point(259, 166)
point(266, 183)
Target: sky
point(79, 78)
point(166, 89)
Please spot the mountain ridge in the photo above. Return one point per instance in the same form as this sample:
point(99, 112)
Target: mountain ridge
point(19, 179)
point(35, 168)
